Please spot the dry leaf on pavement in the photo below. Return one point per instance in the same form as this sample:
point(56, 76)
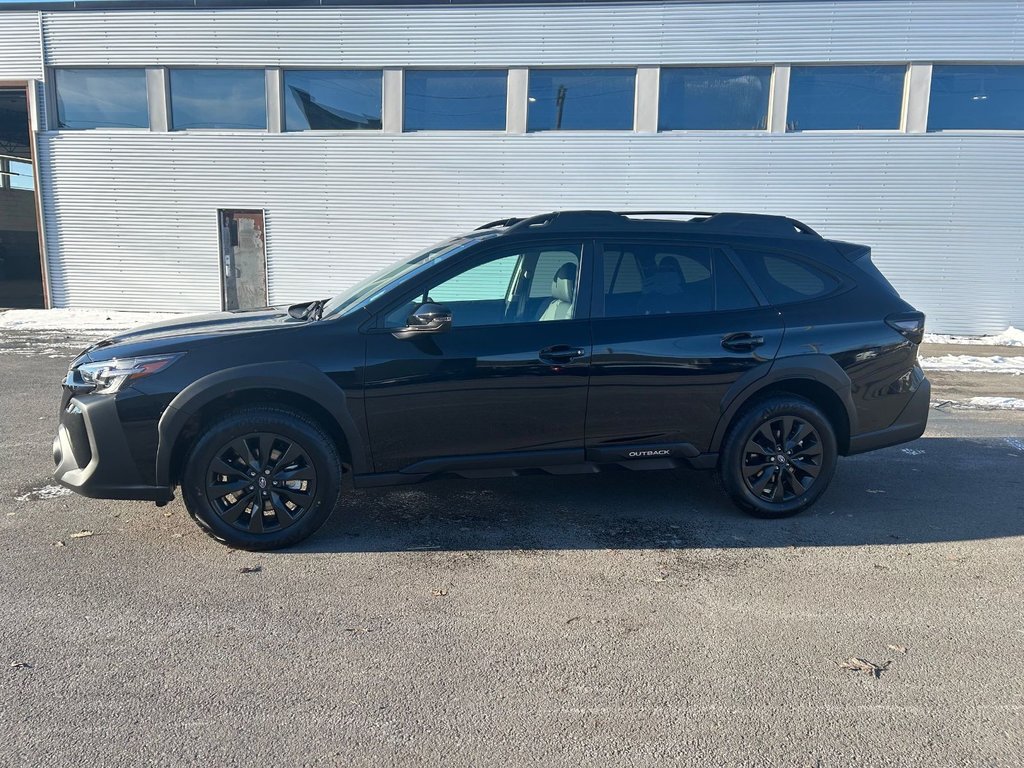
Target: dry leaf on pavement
point(440, 592)
point(250, 569)
point(855, 664)
point(897, 648)
point(81, 534)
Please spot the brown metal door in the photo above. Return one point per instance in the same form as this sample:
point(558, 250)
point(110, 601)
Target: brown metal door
point(243, 259)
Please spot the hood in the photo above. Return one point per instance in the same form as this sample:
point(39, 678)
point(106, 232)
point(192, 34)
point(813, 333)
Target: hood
point(173, 335)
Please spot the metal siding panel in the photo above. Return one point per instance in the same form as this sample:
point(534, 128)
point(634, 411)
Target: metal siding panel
point(137, 210)
point(20, 57)
point(535, 34)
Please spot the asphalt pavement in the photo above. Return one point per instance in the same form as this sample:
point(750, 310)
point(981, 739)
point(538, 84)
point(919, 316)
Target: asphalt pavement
point(620, 619)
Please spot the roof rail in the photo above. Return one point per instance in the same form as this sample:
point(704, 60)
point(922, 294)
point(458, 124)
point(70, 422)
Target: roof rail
point(664, 213)
point(737, 223)
point(499, 223)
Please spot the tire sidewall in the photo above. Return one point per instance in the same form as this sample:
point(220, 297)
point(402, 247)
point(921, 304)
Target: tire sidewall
point(731, 464)
point(318, 447)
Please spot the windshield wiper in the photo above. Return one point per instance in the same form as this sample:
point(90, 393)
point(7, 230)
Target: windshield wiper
point(308, 310)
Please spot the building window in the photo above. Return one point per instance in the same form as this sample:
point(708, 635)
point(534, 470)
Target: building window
point(101, 98)
point(714, 98)
point(977, 97)
point(20, 175)
point(455, 100)
point(581, 99)
point(856, 98)
point(332, 100)
point(218, 98)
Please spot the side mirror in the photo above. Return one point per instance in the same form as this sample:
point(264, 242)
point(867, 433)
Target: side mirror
point(427, 318)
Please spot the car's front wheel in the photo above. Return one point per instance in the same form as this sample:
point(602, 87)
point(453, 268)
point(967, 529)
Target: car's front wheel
point(262, 478)
point(779, 457)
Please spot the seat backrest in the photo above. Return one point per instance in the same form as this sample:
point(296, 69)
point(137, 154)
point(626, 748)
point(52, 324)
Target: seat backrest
point(563, 290)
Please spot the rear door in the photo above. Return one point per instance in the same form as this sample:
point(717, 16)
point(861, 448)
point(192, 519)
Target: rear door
point(675, 325)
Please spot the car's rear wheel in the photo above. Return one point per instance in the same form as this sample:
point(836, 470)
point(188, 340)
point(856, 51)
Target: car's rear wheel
point(778, 457)
point(262, 478)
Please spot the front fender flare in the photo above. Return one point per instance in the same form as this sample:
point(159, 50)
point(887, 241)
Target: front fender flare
point(289, 376)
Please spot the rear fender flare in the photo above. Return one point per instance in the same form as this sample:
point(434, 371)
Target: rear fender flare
point(290, 376)
point(821, 369)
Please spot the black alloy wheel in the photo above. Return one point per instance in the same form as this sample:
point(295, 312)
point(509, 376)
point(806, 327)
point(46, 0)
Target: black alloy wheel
point(261, 482)
point(778, 456)
point(782, 459)
point(262, 477)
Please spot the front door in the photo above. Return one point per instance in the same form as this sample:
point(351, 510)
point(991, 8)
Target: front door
point(679, 326)
point(509, 377)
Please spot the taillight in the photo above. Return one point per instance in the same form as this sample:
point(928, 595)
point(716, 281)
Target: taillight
point(910, 324)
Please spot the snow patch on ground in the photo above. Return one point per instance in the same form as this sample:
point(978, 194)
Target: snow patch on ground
point(83, 321)
point(1005, 403)
point(972, 363)
point(1011, 337)
point(44, 492)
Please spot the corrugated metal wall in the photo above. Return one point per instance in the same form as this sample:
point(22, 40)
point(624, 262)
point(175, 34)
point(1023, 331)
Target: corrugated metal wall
point(131, 216)
point(137, 215)
point(531, 33)
point(20, 58)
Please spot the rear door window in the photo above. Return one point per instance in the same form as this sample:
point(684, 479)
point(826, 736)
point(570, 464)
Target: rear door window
point(660, 279)
point(784, 279)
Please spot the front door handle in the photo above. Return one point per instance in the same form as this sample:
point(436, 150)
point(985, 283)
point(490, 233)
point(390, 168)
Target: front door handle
point(560, 354)
point(742, 342)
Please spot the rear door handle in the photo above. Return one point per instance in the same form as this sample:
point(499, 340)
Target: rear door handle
point(742, 342)
point(560, 354)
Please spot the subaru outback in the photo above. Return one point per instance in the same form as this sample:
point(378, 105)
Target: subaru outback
point(569, 342)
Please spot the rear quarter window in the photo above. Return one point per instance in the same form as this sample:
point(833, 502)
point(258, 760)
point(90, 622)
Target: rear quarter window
point(785, 280)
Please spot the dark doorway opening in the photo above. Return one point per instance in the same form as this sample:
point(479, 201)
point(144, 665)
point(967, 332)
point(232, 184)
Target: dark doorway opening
point(21, 275)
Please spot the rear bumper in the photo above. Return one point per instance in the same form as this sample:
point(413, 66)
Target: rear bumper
point(909, 425)
point(92, 456)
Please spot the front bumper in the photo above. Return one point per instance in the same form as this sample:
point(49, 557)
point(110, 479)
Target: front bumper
point(92, 455)
point(909, 425)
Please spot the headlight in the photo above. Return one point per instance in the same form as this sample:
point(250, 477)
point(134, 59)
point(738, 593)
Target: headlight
point(110, 375)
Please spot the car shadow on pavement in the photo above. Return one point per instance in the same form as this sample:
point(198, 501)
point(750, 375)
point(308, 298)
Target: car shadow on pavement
point(933, 490)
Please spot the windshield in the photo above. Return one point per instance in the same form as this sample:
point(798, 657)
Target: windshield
point(372, 286)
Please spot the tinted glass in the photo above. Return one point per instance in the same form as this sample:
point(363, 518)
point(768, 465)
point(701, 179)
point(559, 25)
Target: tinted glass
point(332, 100)
point(731, 291)
point(101, 98)
point(455, 100)
point(714, 98)
point(218, 98)
point(785, 280)
point(845, 98)
point(653, 279)
point(977, 97)
point(581, 99)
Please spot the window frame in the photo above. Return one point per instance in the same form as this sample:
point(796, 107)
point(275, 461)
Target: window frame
point(582, 308)
point(52, 91)
point(968, 131)
point(769, 108)
point(457, 131)
point(581, 68)
point(169, 97)
point(598, 304)
point(904, 95)
point(326, 131)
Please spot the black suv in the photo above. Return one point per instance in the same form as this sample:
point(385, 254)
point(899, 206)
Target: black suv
point(569, 342)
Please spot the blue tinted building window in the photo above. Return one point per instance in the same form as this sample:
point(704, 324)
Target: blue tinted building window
point(845, 98)
point(581, 99)
point(714, 98)
point(455, 100)
point(332, 100)
point(218, 98)
point(977, 97)
point(101, 98)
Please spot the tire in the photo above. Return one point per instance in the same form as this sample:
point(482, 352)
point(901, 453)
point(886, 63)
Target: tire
point(269, 460)
point(807, 457)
